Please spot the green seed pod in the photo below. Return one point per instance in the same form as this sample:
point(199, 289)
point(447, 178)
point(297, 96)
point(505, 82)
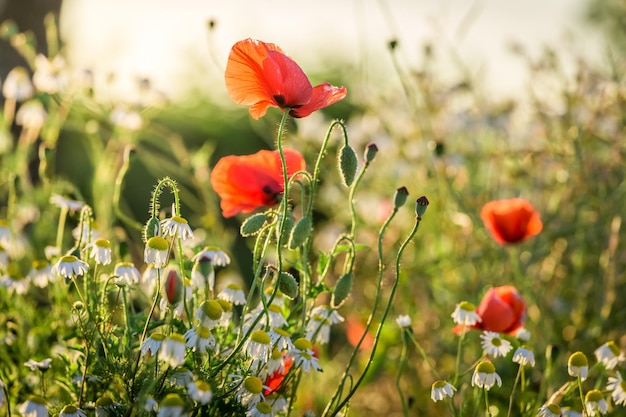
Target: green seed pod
point(300, 232)
point(348, 164)
point(342, 290)
point(151, 229)
point(287, 285)
point(253, 224)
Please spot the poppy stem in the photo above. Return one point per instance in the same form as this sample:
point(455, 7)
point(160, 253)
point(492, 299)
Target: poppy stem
point(283, 204)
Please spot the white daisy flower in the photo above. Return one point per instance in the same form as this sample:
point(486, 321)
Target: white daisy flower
point(595, 404)
point(259, 345)
point(126, 274)
point(303, 355)
point(126, 119)
point(15, 283)
point(152, 344)
point(209, 313)
point(440, 390)
point(262, 409)
point(485, 376)
point(43, 365)
point(41, 274)
point(199, 338)
point(578, 365)
point(524, 356)
point(66, 203)
point(465, 314)
point(156, 252)
point(101, 251)
point(404, 321)
point(69, 266)
point(35, 406)
point(280, 339)
point(171, 406)
point(522, 334)
point(549, 410)
point(250, 391)
point(200, 391)
point(233, 293)
point(31, 115)
point(150, 404)
point(610, 355)
point(173, 350)
point(276, 318)
point(176, 226)
point(494, 345)
point(17, 86)
point(617, 386)
point(279, 403)
point(215, 256)
point(50, 75)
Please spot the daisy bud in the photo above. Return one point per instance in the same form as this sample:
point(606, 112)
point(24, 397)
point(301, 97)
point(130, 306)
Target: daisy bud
point(300, 232)
point(252, 225)
point(342, 290)
point(173, 287)
point(370, 152)
point(288, 285)
point(347, 165)
point(400, 197)
point(421, 205)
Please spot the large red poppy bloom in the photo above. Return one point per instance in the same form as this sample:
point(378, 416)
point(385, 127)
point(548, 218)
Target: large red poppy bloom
point(259, 74)
point(247, 182)
point(511, 221)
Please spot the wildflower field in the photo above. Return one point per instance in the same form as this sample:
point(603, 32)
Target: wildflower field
point(314, 247)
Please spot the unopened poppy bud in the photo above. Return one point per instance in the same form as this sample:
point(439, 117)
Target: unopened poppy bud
point(421, 205)
point(288, 285)
point(151, 229)
point(173, 287)
point(347, 165)
point(252, 225)
point(342, 290)
point(300, 232)
point(370, 152)
point(400, 197)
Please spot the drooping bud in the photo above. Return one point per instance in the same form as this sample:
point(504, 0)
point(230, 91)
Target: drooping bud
point(288, 285)
point(347, 165)
point(370, 152)
point(300, 232)
point(342, 290)
point(400, 197)
point(173, 287)
point(253, 224)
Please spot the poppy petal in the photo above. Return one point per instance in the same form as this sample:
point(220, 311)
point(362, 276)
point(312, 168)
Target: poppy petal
point(511, 221)
point(261, 75)
point(323, 95)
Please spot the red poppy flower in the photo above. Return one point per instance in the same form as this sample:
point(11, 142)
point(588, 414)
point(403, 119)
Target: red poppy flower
point(275, 380)
point(250, 181)
point(502, 310)
point(511, 221)
point(259, 74)
point(354, 332)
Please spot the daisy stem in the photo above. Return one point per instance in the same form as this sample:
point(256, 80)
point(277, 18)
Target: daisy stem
point(401, 366)
point(458, 353)
point(126, 318)
point(487, 402)
point(422, 352)
point(61, 227)
point(580, 391)
point(520, 371)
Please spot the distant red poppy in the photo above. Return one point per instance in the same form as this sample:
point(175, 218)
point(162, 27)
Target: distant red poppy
point(354, 331)
point(261, 75)
point(511, 221)
point(247, 182)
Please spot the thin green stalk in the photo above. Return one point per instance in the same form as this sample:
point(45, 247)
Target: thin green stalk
point(401, 366)
point(383, 318)
point(126, 318)
point(517, 378)
point(486, 391)
point(316, 170)
point(425, 357)
point(61, 227)
point(458, 354)
point(580, 391)
point(283, 205)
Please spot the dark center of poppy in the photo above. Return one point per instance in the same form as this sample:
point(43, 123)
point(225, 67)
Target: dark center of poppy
point(271, 194)
point(280, 100)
